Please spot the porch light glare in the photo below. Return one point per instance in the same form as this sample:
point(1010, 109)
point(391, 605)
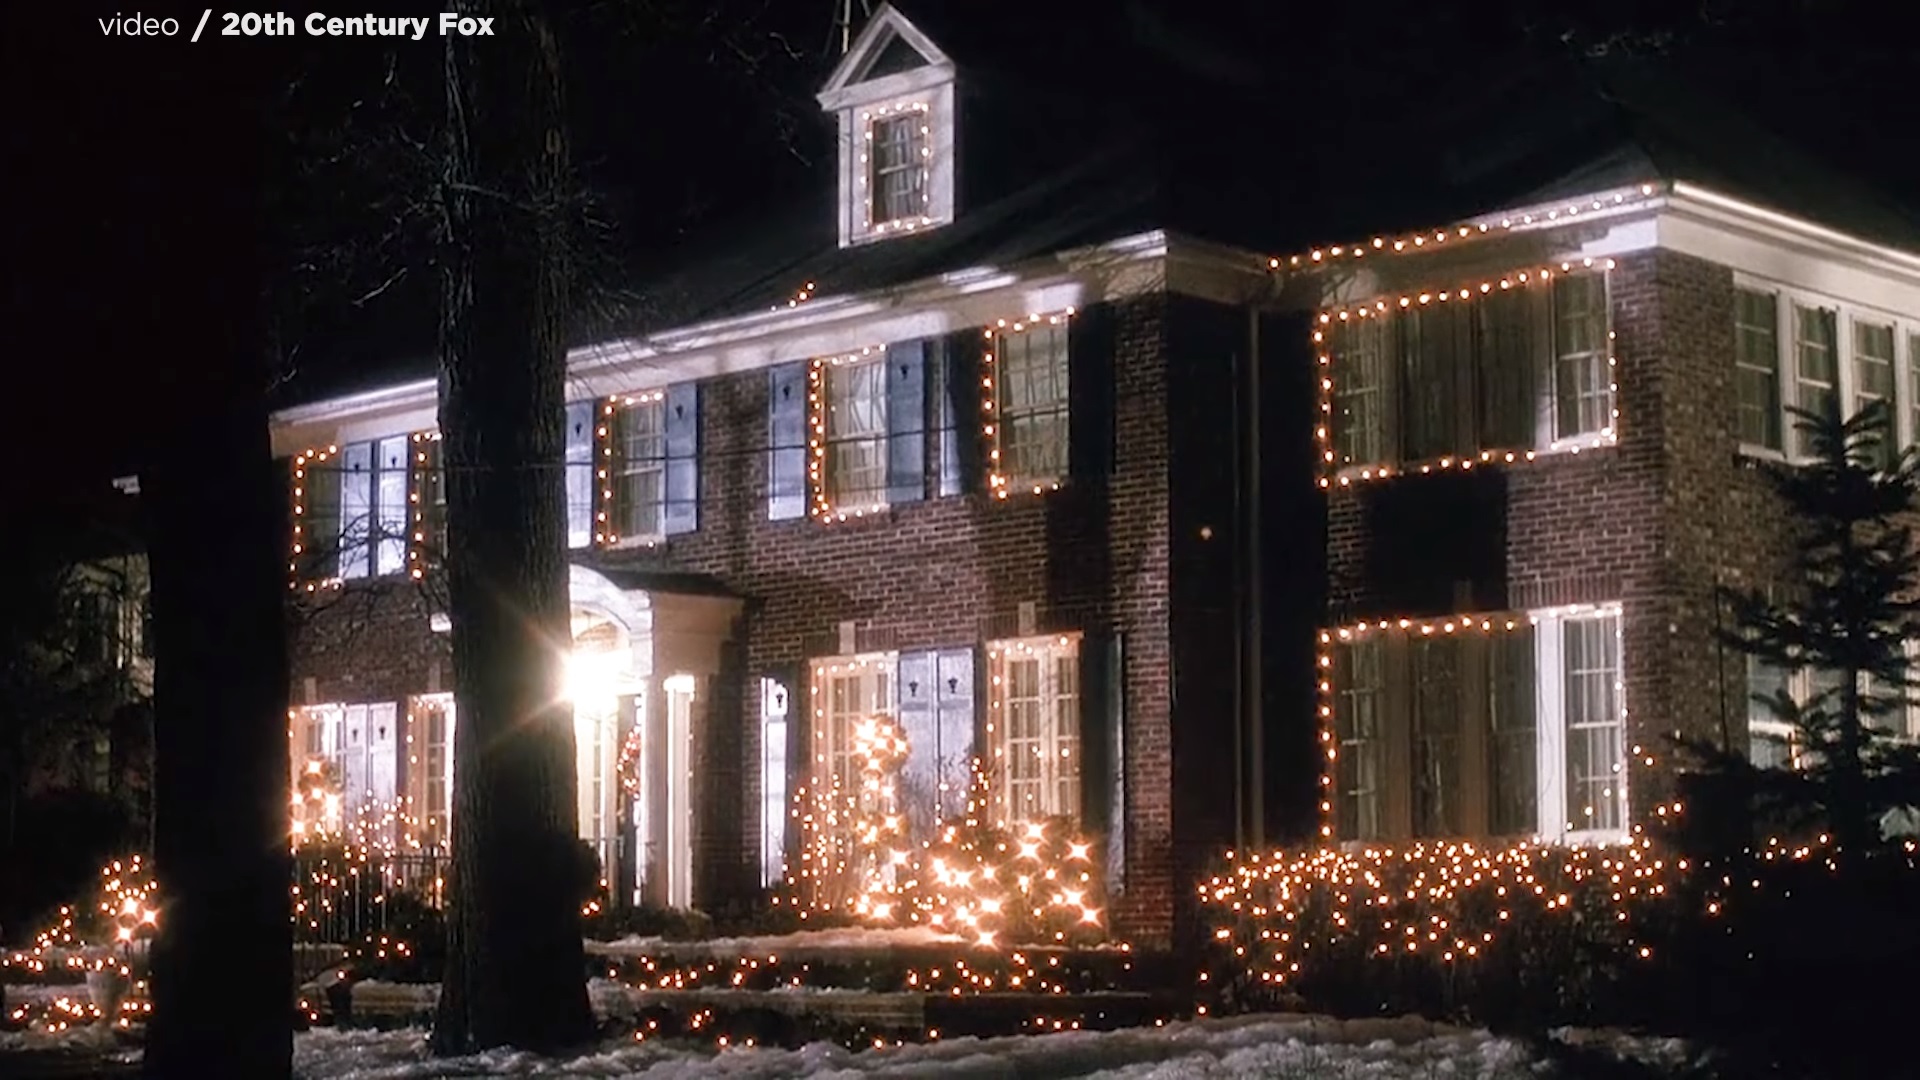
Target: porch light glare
point(591, 677)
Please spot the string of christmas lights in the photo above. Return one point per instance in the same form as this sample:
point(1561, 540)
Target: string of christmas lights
point(1427, 241)
point(999, 482)
point(1332, 319)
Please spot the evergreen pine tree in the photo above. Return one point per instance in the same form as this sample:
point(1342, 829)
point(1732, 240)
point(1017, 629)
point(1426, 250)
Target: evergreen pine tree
point(1843, 611)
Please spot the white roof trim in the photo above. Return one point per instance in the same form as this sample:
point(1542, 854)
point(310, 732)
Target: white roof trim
point(1704, 204)
point(880, 31)
point(953, 301)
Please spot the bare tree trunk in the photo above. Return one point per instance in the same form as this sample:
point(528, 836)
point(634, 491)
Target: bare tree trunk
point(515, 967)
point(218, 525)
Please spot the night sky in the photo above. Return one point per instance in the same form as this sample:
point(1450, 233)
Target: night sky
point(123, 165)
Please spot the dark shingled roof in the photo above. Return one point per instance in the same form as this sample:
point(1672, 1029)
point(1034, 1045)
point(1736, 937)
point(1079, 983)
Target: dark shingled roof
point(1133, 127)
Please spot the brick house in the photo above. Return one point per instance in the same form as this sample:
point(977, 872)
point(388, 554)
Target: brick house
point(1539, 439)
point(1033, 447)
point(974, 457)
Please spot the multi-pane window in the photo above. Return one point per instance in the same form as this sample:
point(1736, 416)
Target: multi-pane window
point(856, 465)
point(1756, 330)
point(1360, 748)
point(369, 485)
point(1436, 737)
point(898, 160)
point(431, 764)
point(1595, 725)
point(1775, 693)
point(1582, 377)
point(639, 490)
point(1516, 369)
point(1816, 365)
point(1360, 395)
point(1502, 726)
point(1033, 404)
point(1035, 719)
point(1873, 377)
point(1802, 352)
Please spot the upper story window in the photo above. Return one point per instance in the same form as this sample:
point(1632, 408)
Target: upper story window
point(640, 487)
point(1795, 350)
point(892, 96)
point(855, 472)
point(1518, 369)
point(1032, 396)
point(354, 509)
point(898, 153)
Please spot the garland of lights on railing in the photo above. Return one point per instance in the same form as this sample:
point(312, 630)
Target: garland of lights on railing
point(1385, 307)
point(999, 483)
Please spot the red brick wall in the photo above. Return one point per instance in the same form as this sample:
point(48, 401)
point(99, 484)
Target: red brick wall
point(1655, 522)
point(942, 572)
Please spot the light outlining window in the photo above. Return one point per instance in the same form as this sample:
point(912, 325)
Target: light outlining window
point(894, 169)
point(607, 434)
point(1033, 726)
point(418, 498)
point(303, 540)
point(1000, 482)
point(821, 484)
point(1420, 243)
point(1568, 671)
point(1386, 307)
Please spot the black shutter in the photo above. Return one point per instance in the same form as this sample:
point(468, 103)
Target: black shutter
point(1103, 788)
point(682, 486)
point(787, 441)
point(579, 473)
point(1091, 371)
point(964, 398)
point(906, 422)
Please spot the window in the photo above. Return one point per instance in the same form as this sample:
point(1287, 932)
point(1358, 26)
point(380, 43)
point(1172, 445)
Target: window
point(1582, 376)
point(1359, 395)
point(1034, 727)
point(433, 478)
point(1518, 369)
point(432, 763)
point(1816, 365)
point(1873, 379)
point(851, 695)
point(1358, 733)
point(1773, 740)
point(1516, 731)
point(898, 156)
point(639, 491)
point(1033, 404)
point(1756, 328)
point(856, 422)
point(375, 516)
point(773, 781)
point(1595, 725)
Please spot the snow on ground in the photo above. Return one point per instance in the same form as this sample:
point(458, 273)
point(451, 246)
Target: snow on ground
point(1270, 1046)
point(847, 939)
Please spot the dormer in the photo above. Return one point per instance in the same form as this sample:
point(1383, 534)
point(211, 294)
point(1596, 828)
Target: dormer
point(892, 95)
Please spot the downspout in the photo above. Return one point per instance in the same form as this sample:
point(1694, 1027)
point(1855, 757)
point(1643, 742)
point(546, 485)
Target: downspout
point(1238, 469)
point(1255, 646)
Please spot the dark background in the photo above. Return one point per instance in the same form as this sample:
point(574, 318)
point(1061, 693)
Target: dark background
point(130, 162)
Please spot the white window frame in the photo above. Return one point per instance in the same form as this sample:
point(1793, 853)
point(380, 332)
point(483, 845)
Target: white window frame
point(1546, 420)
point(876, 675)
point(432, 817)
point(1394, 797)
point(1905, 405)
point(1058, 354)
point(654, 404)
point(1777, 370)
point(1558, 820)
point(1062, 779)
point(1800, 686)
point(833, 377)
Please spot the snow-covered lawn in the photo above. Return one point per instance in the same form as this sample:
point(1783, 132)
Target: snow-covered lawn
point(1249, 1047)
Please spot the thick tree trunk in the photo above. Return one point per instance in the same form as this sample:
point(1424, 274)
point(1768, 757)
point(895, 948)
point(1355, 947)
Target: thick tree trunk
point(222, 968)
point(223, 964)
point(515, 968)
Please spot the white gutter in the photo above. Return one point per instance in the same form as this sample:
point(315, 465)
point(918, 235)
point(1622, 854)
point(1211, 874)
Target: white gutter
point(802, 319)
point(1712, 204)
